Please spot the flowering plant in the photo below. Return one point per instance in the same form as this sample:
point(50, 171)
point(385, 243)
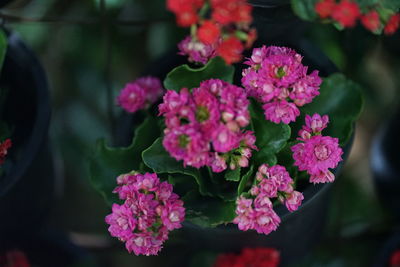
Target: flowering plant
point(376, 16)
point(213, 152)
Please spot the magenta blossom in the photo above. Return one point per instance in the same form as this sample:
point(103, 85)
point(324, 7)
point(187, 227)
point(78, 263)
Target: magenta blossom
point(277, 78)
point(196, 51)
point(205, 127)
point(150, 210)
point(140, 94)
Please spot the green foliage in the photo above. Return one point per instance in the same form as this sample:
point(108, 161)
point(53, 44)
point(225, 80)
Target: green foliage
point(108, 162)
point(185, 76)
point(207, 211)
point(305, 9)
point(232, 175)
point(159, 160)
point(339, 98)
point(270, 137)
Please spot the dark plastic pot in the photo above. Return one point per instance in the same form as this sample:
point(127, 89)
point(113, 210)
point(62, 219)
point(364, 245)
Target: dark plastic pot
point(26, 187)
point(385, 164)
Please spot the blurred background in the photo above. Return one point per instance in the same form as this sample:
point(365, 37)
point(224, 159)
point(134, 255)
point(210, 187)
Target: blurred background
point(91, 48)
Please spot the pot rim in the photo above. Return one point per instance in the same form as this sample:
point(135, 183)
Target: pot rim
point(32, 65)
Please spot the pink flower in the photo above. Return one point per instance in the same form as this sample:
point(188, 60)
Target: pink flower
point(305, 89)
point(316, 123)
point(278, 79)
point(266, 220)
point(225, 140)
point(140, 94)
point(281, 111)
point(149, 212)
point(196, 51)
point(121, 221)
point(132, 98)
point(280, 176)
point(152, 87)
point(206, 127)
point(293, 200)
point(173, 214)
point(244, 212)
point(317, 154)
point(187, 143)
point(322, 177)
point(218, 163)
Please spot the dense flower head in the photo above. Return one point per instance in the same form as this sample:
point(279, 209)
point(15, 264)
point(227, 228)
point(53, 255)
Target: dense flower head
point(205, 127)
point(393, 24)
point(255, 257)
point(231, 11)
point(140, 94)
point(196, 51)
point(277, 78)
point(346, 13)
point(256, 211)
point(316, 154)
point(4, 147)
point(150, 210)
point(209, 32)
point(231, 50)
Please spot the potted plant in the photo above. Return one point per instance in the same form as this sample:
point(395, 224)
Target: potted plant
point(240, 162)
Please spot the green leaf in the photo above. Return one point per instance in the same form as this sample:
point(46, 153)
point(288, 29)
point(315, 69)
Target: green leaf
point(187, 77)
point(207, 211)
point(3, 47)
point(305, 9)
point(245, 179)
point(107, 162)
point(342, 100)
point(159, 160)
point(271, 137)
point(232, 175)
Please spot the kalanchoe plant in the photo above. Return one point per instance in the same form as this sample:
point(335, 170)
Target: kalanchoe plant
point(376, 16)
point(217, 153)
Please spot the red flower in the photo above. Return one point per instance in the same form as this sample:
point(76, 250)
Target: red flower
point(393, 24)
point(186, 19)
point(395, 259)
point(325, 8)
point(4, 149)
point(371, 21)
point(185, 11)
point(231, 11)
point(346, 13)
point(14, 258)
point(254, 257)
point(208, 33)
point(231, 50)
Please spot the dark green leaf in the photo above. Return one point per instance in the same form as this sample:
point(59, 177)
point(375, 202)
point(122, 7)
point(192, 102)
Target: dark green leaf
point(232, 175)
point(207, 211)
point(245, 179)
point(342, 100)
point(187, 77)
point(305, 9)
point(159, 160)
point(271, 137)
point(108, 162)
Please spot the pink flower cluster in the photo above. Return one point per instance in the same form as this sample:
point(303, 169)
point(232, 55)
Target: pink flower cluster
point(150, 210)
point(257, 212)
point(205, 126)
point(316, 154)
point(196, 50)
point(140, 94)
point(278, 79)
